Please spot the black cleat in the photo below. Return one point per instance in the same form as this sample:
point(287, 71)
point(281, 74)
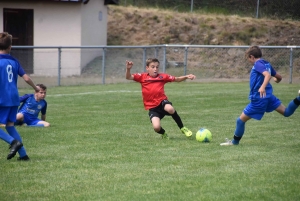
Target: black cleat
point(14, 148)
point(24, 158)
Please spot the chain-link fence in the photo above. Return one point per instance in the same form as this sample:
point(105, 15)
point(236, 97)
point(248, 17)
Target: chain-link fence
point(56, 66)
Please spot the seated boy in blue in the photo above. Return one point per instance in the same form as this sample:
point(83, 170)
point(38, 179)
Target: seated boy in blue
point(32, 105)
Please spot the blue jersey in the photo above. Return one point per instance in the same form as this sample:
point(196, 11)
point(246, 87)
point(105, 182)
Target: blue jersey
point(30, 107)
point(257, 79)
point(10, 68)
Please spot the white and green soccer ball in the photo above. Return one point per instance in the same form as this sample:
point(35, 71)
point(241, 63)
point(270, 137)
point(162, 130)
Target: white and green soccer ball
point(203, 135)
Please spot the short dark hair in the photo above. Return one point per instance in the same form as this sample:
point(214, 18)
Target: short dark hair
point(42, 86)
point(5, 40)
point(150, 60)
point(254, 51)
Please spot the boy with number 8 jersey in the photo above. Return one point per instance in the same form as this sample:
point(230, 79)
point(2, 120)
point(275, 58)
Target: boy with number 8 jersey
point(10, 69)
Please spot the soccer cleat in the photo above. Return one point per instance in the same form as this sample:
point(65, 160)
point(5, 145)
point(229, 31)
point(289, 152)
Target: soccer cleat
point(227, 143)
point(14, 147)
point(186, 131)
point(24, 158)
point(165, 136)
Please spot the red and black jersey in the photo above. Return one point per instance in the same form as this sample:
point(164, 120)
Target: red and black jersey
point(153, 88)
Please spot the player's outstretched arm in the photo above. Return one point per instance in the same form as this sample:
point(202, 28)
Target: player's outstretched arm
point(128, 75)
point(182, 78)
point(28, 80)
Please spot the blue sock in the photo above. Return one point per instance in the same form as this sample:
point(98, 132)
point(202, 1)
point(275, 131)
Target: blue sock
point(14, 133)
point(239, 131)
point(5, 137)
point(36, 125)
point(292, 106)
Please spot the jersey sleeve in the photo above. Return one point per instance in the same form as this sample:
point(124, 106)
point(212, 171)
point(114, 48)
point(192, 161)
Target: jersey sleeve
point(21, 71)
point(170, 78)
point(273, 71)
point(137, 77)
point(259, 67)
point(25, 97)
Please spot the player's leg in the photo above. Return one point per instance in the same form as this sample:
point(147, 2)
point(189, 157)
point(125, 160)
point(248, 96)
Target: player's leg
point(15, 145)
point(290, 109)
point(4, 112)
point(255, 109)
point(170, 109)
point(19, 120)
point(34, 122)
point(157, 127)
point(155, 118)
point(43, 124)
point(10, 128)
point(240, 128)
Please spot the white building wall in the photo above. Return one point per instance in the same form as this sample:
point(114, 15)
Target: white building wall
point(64, 24)
point(93, 29)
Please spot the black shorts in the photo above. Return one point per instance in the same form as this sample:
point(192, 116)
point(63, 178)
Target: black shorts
point(159, 111)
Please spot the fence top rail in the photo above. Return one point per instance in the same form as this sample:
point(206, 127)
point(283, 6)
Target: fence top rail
point(150, 46)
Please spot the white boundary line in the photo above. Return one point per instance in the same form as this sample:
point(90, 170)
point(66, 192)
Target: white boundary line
point(93, 92)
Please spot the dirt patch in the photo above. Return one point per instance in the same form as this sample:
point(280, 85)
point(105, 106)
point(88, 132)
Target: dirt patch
point(140, 26)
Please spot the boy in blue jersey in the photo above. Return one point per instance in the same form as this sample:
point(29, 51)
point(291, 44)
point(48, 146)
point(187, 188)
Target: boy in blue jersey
point(10, 69)
point(32, 105)
point(261, 94)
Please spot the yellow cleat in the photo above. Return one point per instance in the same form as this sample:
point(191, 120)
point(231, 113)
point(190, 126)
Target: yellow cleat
point(186, 131)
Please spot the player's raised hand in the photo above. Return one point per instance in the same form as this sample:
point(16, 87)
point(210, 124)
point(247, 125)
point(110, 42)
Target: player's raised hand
point(129, 64)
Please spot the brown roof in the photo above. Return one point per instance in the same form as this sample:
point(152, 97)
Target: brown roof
point(78, 1)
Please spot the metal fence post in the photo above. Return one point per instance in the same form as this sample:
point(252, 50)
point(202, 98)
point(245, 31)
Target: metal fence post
point(291, 65)
point(257, 7)
point(156, 52)
point(59, 66)
point(103, 65)
point(144, 58)
point(165, 58)
point(185, 59)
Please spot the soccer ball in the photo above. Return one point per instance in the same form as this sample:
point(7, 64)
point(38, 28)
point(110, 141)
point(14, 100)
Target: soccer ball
point(203, 135)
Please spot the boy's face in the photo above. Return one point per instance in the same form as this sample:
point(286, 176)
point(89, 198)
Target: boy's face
point(41, 94)
point(153, 69)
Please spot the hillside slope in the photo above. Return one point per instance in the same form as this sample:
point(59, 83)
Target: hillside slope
point(138, 26)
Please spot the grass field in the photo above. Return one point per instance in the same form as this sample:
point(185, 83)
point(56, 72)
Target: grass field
point(101, 146)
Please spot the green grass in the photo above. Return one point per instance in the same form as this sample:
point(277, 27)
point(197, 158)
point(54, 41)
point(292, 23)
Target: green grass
point(101, 146)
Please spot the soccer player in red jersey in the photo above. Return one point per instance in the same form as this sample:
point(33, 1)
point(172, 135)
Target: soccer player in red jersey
point(154, 97)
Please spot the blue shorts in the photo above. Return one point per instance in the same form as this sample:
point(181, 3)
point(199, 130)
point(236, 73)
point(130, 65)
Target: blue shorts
point(30, 120)
point(8, 114)
point(257, 108)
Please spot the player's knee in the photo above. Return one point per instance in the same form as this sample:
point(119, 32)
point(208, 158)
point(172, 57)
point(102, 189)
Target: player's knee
point(239, 121)
point(156, 128)
point(20, 117)
point(287, 113)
